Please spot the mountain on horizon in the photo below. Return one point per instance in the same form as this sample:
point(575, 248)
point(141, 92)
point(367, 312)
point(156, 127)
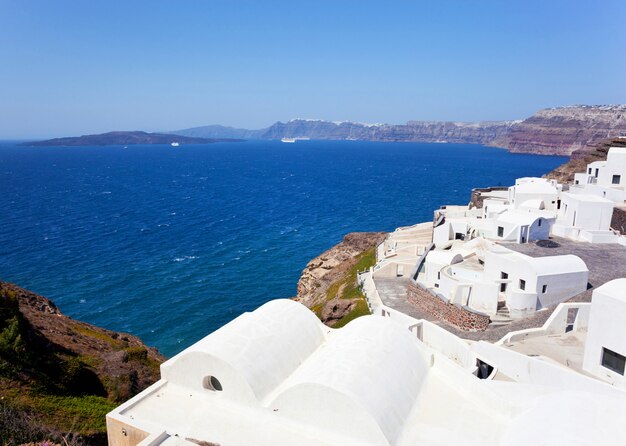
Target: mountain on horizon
point(219, 131)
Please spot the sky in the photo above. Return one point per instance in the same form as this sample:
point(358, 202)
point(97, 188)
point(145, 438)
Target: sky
point(78, 67)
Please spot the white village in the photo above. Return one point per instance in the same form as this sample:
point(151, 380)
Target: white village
point(498, 323)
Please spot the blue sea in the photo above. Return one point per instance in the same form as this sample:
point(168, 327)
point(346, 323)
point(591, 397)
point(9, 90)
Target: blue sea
point(171, 243)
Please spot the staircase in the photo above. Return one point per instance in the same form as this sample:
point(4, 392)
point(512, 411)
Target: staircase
point(502, 316)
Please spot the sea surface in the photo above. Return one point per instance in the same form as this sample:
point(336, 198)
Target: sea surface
point(171, 243)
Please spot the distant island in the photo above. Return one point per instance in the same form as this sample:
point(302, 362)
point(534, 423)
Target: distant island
point(126, 139)
point(551, 131)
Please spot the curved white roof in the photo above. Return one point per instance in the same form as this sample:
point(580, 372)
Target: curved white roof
point(445, 257)
point(262, 348)
point(568, 263)
point(372, 369)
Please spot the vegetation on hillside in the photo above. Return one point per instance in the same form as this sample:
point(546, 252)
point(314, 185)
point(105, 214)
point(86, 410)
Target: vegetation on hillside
point(347, 288)
point(55, 392)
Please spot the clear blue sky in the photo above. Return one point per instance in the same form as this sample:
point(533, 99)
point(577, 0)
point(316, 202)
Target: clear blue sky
point(75, 67)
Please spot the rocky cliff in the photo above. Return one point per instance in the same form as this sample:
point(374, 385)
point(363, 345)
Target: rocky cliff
point(328, 283)
point(563, 130)
point(59, 376)
point(414, 131)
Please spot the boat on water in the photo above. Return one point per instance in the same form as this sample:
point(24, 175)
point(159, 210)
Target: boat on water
point(175, 144)
point(289, 140)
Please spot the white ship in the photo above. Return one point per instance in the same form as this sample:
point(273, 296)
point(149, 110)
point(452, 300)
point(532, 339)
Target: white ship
point(175, 144)
point(288, 140)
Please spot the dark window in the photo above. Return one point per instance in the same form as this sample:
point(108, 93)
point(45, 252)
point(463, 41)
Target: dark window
point(522, 284)
point(500, 231)
point(544, 289)
point(558, 204)
point(459, 236)
point(539, 224)
point(503, 287)
point(597, 171)
point(504, 275)
point(590, 171)
point(616, 179)
point(438, 275)
point(576, 182)
point(613, 361)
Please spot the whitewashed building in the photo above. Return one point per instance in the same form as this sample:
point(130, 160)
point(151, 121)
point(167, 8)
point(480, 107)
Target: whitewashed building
point(485, 277)
point(277, 377)
point(525, 213)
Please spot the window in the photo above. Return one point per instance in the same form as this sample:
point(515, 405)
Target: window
point(576, 182)
point(558, 204)
point(459, 236)
point(597, 171)
point(616, 179)
point(590, 171)
point(544, 289)
point(522, 284)
point(504, 275)
point(539, 224)
point(211, 383)
point(500, 231)
point(613, 361)
point(438, 275)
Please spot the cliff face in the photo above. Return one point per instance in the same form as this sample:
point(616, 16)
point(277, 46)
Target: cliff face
point(415, 131)
point(328, 283)
point(563, 130)
point(554, 131)
point(61, 374)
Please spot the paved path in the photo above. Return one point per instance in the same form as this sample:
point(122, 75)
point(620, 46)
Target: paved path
point(605, 261)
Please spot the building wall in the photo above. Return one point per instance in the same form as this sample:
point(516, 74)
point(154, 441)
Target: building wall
point(606, 329)
point(615, 165)
point(560, 287)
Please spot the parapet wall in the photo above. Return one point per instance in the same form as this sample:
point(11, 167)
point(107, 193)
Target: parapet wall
point(460, 317)
point(476, 200)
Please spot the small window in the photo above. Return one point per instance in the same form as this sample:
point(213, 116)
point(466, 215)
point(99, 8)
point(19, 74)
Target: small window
point(504, 275)
point(459, 236)
point(539, 224)
point(613, 361)
point(544, 289)
point(576, 182)
point(616, 179)
point(522, 284)
point(500, 231)
point(438, 275)
point(597, 172)
point(211, 383)
point(590, 171)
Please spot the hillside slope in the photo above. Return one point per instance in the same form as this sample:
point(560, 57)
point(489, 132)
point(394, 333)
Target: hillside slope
point(60, 376)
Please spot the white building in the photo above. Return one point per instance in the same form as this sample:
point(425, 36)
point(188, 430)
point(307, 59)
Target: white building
point(605, 350)
point(525, 213)
point(586, 218)
point(277, 376)
point(485, 277)
point(605, 179)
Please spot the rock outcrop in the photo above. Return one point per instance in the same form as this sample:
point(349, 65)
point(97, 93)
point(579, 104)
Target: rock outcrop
point(322, 281)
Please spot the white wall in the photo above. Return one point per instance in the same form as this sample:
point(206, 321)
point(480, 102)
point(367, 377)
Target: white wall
point(606, 329)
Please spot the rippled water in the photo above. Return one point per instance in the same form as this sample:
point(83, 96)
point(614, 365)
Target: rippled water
point(169, 244)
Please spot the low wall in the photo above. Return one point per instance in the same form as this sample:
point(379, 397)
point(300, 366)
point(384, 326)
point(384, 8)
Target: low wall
point(458, 316)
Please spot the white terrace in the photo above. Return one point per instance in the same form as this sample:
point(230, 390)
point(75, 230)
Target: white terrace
point(277, 376)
